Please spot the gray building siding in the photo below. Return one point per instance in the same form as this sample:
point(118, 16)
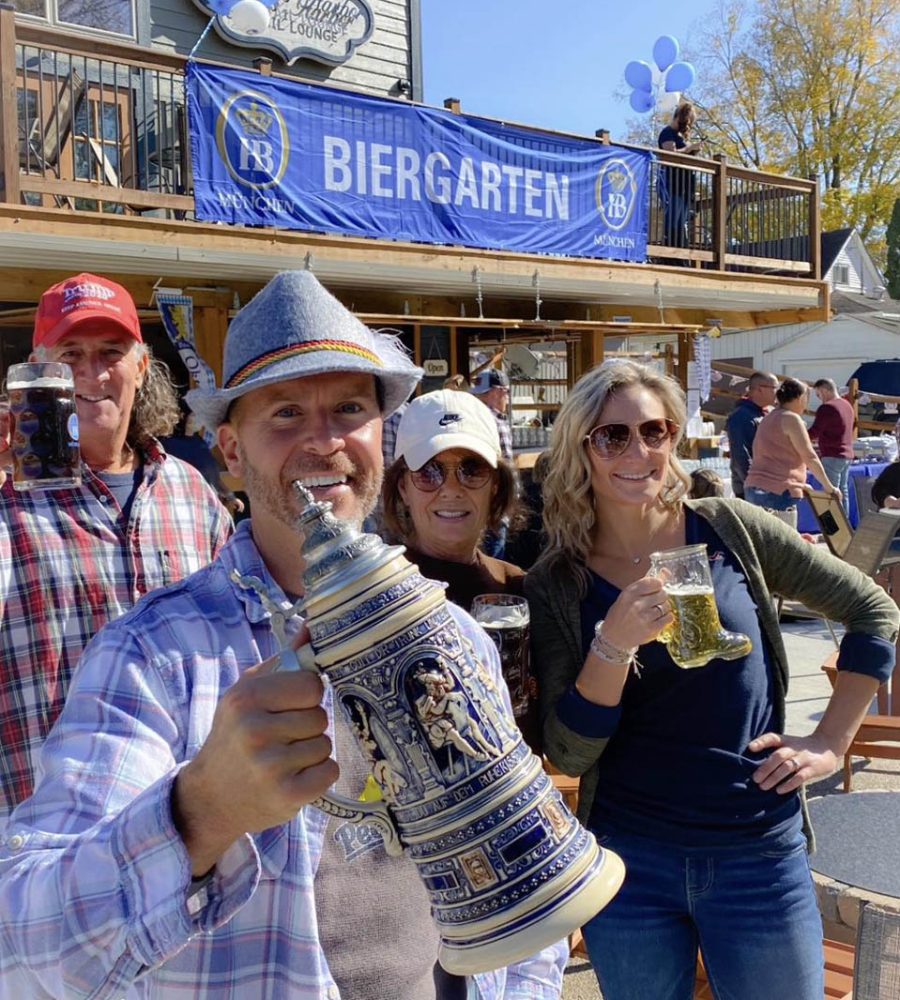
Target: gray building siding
point(375, 67)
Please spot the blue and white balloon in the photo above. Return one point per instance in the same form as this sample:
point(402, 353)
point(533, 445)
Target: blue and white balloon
point(659, 86)
point(665, 51)
point(639, 75)
point(679, 77)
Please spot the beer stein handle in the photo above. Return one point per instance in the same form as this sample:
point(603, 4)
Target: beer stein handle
point(332, 803)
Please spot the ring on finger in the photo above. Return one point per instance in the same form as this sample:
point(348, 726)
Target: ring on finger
point(795, 764)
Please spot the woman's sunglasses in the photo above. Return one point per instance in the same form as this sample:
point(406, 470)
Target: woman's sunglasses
point(611, 440)
point(472, 473)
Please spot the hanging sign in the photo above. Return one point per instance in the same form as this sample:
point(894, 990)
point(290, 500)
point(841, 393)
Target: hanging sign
point(270, 152)
point(435, 367)
point(177, 314)
point(326, 31)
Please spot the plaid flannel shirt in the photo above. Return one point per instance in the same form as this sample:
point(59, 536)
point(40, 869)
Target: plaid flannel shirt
point(68, 565)
point(503, 429)
point(93, 867)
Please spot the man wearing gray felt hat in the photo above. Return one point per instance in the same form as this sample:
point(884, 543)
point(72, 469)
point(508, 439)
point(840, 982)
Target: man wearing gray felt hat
point(197, 791)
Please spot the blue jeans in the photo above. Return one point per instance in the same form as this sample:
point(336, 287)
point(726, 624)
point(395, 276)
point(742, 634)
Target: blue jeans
point(754, 916)
point(771, 501)
point(838, 471)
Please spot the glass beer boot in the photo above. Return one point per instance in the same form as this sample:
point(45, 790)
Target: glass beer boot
point(696, 636)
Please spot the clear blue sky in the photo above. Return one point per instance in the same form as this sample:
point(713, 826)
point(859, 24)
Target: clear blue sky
point(552, 63)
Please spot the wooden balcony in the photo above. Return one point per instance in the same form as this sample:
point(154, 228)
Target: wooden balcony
point(94, 146)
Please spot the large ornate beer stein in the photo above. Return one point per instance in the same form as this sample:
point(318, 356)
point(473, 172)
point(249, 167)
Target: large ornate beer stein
point(696, 636)
point(507, 867)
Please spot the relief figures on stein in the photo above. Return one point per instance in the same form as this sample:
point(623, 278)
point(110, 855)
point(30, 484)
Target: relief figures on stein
point(508, 869)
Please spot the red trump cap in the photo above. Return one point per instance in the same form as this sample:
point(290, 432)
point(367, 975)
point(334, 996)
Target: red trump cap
point(85, 302)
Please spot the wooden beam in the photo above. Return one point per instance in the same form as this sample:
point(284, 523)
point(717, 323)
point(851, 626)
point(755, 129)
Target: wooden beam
point(210, 327)
point(106, 192)
point(9, 125)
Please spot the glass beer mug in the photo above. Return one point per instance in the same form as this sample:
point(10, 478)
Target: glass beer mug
point(696, 636)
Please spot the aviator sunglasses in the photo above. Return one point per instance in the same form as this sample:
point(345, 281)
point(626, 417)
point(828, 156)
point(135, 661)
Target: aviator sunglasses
point(471, 473)
point(611, 440)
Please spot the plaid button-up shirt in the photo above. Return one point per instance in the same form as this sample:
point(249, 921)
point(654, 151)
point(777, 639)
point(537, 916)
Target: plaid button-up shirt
point(93, 867)
point(68, 565)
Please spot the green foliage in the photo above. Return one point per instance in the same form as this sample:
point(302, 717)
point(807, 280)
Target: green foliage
point(809, 88)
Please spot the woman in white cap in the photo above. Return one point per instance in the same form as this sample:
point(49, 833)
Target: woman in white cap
point(447, 486)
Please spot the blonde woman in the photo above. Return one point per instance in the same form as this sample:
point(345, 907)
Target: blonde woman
point(687, 774)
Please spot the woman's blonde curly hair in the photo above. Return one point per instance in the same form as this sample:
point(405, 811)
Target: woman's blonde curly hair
point(568, 494)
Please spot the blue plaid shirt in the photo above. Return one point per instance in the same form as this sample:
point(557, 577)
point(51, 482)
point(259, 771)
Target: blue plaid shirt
point(93, 867)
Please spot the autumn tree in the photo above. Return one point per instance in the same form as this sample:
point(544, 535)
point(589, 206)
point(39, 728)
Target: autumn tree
point(809, 88)
point(892, 271)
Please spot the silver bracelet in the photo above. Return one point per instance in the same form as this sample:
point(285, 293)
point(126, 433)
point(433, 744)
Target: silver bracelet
point(605, 650)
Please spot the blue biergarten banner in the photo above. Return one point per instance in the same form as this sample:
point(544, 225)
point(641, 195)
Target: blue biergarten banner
point(279, 153)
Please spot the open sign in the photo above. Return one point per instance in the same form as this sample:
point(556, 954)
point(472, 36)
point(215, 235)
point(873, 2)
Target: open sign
point(435, 367)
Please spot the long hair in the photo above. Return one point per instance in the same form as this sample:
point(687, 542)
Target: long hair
point(505, 503)
point(155, 412)
point(685, 116)
point(569, 508)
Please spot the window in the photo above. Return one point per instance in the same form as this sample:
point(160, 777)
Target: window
point(98, 138)
point(107, 15)
point(842, 274)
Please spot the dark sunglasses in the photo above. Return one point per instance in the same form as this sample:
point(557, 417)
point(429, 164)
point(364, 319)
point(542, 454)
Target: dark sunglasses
point(610, 440)
point(472, 473)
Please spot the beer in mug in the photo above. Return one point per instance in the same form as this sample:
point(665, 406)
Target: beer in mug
point(43, 426)
point(696, 636)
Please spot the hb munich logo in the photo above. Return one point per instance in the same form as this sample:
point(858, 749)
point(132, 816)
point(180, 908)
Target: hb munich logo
point(252, 140)
point(616, 194)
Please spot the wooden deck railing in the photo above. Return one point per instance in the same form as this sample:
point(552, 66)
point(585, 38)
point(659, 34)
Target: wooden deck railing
point(93, 125)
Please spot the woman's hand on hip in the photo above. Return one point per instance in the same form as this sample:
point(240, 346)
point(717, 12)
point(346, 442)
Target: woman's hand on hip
point(794, 761)
point(639, 614)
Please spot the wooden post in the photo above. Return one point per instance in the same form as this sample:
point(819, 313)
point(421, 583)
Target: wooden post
point(210, 327)
point(853, 398)
point(453, 104)
point(9, 125)
point(720, 211)
point(603, 135)
point(263, 65)
point(815, 236)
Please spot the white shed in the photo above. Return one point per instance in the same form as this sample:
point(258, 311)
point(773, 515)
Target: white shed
point(865, 324)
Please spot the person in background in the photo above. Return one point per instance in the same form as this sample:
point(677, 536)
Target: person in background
point(832, 430)
point(686, 774)
point(491, 387)
point(448, 485)
point(171, 848)
point(742, 425)
point(782, 452)
point(73, 559)
point(678, 182)
point(706, 483)
point(187, 444)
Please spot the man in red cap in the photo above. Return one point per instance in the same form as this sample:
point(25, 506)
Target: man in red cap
point(73, 559)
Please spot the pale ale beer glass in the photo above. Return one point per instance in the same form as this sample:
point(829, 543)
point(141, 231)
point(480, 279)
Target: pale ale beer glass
point(696, 636)
point(505, 618)
point(43, 426)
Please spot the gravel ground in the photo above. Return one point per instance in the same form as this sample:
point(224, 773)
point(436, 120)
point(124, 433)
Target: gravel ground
point(808, 644)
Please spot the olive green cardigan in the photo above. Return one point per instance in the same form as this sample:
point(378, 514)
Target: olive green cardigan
point(775, 560)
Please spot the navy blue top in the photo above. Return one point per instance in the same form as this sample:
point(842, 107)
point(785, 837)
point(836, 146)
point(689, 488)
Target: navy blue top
point(741, 430)
point(123, 486)
point(676, 767)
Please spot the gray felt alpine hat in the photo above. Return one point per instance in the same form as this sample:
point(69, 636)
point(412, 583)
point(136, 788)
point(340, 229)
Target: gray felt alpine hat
point(293, 328)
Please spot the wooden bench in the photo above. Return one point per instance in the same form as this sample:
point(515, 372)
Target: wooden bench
point(839, 959)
